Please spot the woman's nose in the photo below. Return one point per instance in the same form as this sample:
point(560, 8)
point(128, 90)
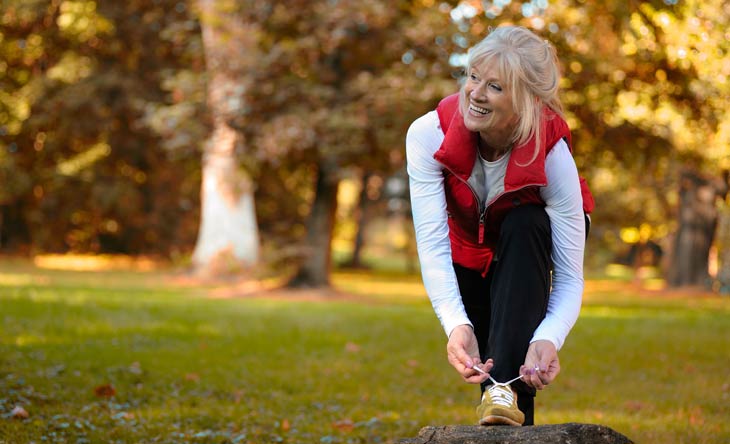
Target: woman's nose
point(478, 91)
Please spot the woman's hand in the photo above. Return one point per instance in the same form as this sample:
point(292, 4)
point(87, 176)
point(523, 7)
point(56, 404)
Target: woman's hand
point(463, 353)
point(541, 364)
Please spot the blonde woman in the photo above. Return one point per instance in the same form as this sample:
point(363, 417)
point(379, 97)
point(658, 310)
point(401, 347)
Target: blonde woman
point(499, 213)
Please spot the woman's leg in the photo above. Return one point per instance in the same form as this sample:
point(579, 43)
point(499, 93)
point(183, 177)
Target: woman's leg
point(474, 289)
point(520, 287)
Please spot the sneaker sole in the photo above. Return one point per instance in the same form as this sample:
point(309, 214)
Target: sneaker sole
point(498, 420)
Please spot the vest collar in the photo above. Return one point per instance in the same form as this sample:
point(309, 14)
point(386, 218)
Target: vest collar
point(458, 153)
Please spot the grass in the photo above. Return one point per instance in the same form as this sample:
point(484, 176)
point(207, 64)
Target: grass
point(187, 368)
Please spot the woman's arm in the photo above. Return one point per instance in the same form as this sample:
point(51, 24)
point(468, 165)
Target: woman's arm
point(428, 204)
point(564, 206)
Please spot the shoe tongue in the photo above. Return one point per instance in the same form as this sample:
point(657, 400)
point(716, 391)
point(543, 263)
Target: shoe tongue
point(501, 394)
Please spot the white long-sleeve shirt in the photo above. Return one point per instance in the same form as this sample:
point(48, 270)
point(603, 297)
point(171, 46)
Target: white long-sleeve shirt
point(564, 206)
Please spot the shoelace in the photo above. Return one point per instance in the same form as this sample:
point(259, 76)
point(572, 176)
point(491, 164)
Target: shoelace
point(501, 395)
point(501, 392)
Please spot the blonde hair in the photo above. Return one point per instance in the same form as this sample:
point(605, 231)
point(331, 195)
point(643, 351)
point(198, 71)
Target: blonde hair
point(529, 66)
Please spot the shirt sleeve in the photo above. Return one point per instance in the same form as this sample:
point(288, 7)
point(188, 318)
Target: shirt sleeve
point(430, 220)
point(564, 206)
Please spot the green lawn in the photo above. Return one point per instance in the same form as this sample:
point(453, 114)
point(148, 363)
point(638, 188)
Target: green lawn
point(188, 368)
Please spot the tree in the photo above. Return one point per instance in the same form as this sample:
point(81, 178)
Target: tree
point(698, 219)
point(228, 227)
point(642, 87)
point(334, 71)
point(86, 170)
point(723, 240)
point(361, 218)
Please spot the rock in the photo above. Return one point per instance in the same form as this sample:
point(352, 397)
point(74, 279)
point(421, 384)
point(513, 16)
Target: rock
point(569, 433)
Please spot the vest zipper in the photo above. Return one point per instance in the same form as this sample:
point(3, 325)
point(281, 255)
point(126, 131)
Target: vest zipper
point(482, 206)
point(481, 226)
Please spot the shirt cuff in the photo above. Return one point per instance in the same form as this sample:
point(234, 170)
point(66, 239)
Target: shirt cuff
point(549, 331)
point(450, 326)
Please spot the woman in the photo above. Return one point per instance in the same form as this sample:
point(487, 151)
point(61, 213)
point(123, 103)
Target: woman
point(497, 205)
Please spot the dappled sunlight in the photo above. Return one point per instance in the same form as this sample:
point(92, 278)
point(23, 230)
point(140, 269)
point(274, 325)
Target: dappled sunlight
point(18, 279)
point(242, 288)
point(604, 285)
point(406, 288)
point(76, 298)
point(610, 312)
point(29, 340)
point(87, 262)
point(95, 331)
point(648, 293)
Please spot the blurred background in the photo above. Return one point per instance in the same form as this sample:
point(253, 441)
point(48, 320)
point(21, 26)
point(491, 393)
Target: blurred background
point(229, 137)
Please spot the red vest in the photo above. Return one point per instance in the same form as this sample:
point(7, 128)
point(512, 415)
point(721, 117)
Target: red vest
point(474, 226)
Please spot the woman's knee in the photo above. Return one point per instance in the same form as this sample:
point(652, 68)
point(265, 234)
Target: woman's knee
point(526, 219)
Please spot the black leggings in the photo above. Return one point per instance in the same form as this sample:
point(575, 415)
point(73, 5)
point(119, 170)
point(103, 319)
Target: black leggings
point(509, 303)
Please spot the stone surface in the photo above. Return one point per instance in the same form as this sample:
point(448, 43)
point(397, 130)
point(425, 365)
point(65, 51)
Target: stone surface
point(569, 433)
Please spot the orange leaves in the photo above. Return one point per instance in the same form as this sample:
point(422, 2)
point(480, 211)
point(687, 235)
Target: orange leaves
point(344, 425)
point(285, 425)
point(192, 377)
point(105, 391)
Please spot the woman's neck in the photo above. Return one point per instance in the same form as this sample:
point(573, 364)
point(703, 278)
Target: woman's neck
point(493, 148)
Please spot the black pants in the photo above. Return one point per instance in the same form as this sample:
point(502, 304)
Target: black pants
point(509, 303)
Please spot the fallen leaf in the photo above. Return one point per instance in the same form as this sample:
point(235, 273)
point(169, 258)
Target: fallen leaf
point(351, 347)
point(285, 425)
point(634, 406)
point(192, 377)
point(105, 391)
point(19, 412)
point(344, 425)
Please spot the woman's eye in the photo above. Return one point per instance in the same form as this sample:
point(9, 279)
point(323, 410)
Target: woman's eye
point(495, 87)
point(474, 77)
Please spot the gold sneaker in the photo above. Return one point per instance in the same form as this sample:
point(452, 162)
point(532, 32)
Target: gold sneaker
point(499, 407)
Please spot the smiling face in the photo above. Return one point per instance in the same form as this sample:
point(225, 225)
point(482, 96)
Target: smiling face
point(488, 107)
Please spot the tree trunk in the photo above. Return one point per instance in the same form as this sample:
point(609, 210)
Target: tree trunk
point(697, 222)
point(362, 214)
point(361, 219)
point(723, 239)
point(315, 268)
point(228, 235)
point(723, 250)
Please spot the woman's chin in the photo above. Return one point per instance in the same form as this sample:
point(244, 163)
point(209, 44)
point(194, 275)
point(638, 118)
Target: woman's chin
point(475, 126)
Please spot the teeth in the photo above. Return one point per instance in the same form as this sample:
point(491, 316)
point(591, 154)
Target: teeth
point(478, 109)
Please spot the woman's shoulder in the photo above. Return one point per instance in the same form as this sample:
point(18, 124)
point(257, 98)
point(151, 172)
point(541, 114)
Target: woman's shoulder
point(428, 122)
point(424, 137)
point(426, 131)
point(559, 163)
point(559, 155)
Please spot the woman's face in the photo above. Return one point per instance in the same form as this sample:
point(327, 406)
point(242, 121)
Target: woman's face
point(489, 101)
